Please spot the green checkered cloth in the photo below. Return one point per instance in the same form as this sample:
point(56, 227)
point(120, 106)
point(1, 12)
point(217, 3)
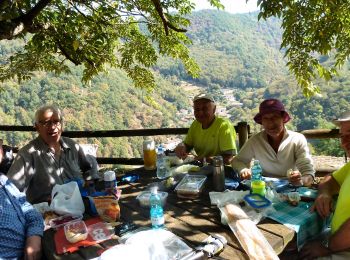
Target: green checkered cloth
point(306, 224)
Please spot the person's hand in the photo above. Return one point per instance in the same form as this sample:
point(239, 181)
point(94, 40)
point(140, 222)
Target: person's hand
point(313, 249)
point(199, 159)
point(323, 205)
point(245, 174)
point(180, 151)
point(32, 250)
point(295, 178)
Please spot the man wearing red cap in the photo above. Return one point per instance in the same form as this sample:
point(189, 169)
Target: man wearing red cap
point(208, 135)
point(336, 244)
point(277, 148)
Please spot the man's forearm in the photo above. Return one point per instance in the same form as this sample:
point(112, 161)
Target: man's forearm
point(328, 186)
point(227, 158)
point(340, 241)
point(188, 148)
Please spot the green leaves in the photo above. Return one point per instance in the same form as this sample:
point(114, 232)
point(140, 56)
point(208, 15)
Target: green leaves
point(96, 33)
point(312, 28)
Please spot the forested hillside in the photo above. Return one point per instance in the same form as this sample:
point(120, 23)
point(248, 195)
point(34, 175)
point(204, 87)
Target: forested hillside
point(108, 103)
point(234, 52)
point(240, 53)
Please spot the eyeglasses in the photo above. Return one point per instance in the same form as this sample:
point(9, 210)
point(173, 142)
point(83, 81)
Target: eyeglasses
point(50, 123)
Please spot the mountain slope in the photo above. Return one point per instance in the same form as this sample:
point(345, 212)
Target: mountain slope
point(236, 53)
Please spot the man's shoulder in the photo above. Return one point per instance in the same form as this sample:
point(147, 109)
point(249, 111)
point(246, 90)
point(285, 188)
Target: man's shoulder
point(68, 140)
point(345, 169)
point(258, 135)
point(223, 122)
point(295, 135)
point(68, 143)
point(31, 146)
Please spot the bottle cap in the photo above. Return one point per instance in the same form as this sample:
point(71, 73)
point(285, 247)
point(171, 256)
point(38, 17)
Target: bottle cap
point(109, 176)
point(218, 160)
point(148, 144)
point(154, 190)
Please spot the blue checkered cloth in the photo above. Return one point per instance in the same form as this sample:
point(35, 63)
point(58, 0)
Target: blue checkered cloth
point(306, 224)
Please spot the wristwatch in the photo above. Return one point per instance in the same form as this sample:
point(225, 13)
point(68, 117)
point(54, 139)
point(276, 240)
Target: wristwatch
point(325, 243)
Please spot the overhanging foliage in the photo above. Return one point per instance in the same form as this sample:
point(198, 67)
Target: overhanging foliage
point(94, 34)
point(312, 28)
point(106, 32)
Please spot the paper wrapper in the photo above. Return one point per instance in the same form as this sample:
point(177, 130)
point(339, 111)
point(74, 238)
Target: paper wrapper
point(247, 233)
point(107, 207)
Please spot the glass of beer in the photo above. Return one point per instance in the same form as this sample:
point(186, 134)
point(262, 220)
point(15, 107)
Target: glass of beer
point(149, 155)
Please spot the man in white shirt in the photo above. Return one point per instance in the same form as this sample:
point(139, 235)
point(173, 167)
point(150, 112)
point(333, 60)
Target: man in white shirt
point(277, 148)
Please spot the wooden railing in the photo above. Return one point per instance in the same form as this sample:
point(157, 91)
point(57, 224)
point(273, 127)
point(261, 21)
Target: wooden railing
point(242, 129)
point(321, 133)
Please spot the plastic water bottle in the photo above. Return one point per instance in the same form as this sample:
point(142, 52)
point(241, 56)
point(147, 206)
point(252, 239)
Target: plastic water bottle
point(256, 171)
point(110, 182)
point(156, 211)
point(161, 164)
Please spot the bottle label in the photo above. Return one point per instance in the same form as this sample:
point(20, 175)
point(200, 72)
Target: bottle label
point(157, 220)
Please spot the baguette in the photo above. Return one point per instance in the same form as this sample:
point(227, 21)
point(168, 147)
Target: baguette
point(248, 235)
point(257, 246)
point(234, 212)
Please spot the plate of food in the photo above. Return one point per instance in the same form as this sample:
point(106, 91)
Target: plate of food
point(190, 186)
point(192, 169)
point(183, 169)
point(75, 231)
point(167, 184)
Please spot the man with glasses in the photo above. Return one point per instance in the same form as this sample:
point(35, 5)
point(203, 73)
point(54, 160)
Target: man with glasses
point(49, 159)
point(208, 135)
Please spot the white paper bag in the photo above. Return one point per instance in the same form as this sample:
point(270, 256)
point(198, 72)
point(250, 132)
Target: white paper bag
point(66, 199)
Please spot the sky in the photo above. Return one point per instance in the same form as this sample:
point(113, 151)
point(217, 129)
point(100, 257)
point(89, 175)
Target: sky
point(231, 6)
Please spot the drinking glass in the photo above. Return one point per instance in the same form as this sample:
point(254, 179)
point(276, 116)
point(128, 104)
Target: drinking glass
point(149, 155)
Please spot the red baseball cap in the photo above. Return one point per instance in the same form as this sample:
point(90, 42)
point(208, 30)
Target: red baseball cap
point(269, 106)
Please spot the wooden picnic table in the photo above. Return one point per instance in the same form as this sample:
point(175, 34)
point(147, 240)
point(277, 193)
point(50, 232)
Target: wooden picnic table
point(191, 219)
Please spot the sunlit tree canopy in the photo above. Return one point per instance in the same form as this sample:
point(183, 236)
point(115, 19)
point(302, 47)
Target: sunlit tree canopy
point(93, 34)
point(133, 34)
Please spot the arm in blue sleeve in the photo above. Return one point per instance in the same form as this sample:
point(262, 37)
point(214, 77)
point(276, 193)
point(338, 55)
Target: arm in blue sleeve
point(34, 222)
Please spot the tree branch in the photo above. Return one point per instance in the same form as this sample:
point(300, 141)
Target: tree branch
point(165, 21)
point(66, 54)
point(22, 23)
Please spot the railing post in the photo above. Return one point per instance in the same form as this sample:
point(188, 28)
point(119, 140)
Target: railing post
point(243, 133)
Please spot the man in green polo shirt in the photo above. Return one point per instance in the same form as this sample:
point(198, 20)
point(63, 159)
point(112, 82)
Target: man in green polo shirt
point(337, 246)
point(209, 135)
